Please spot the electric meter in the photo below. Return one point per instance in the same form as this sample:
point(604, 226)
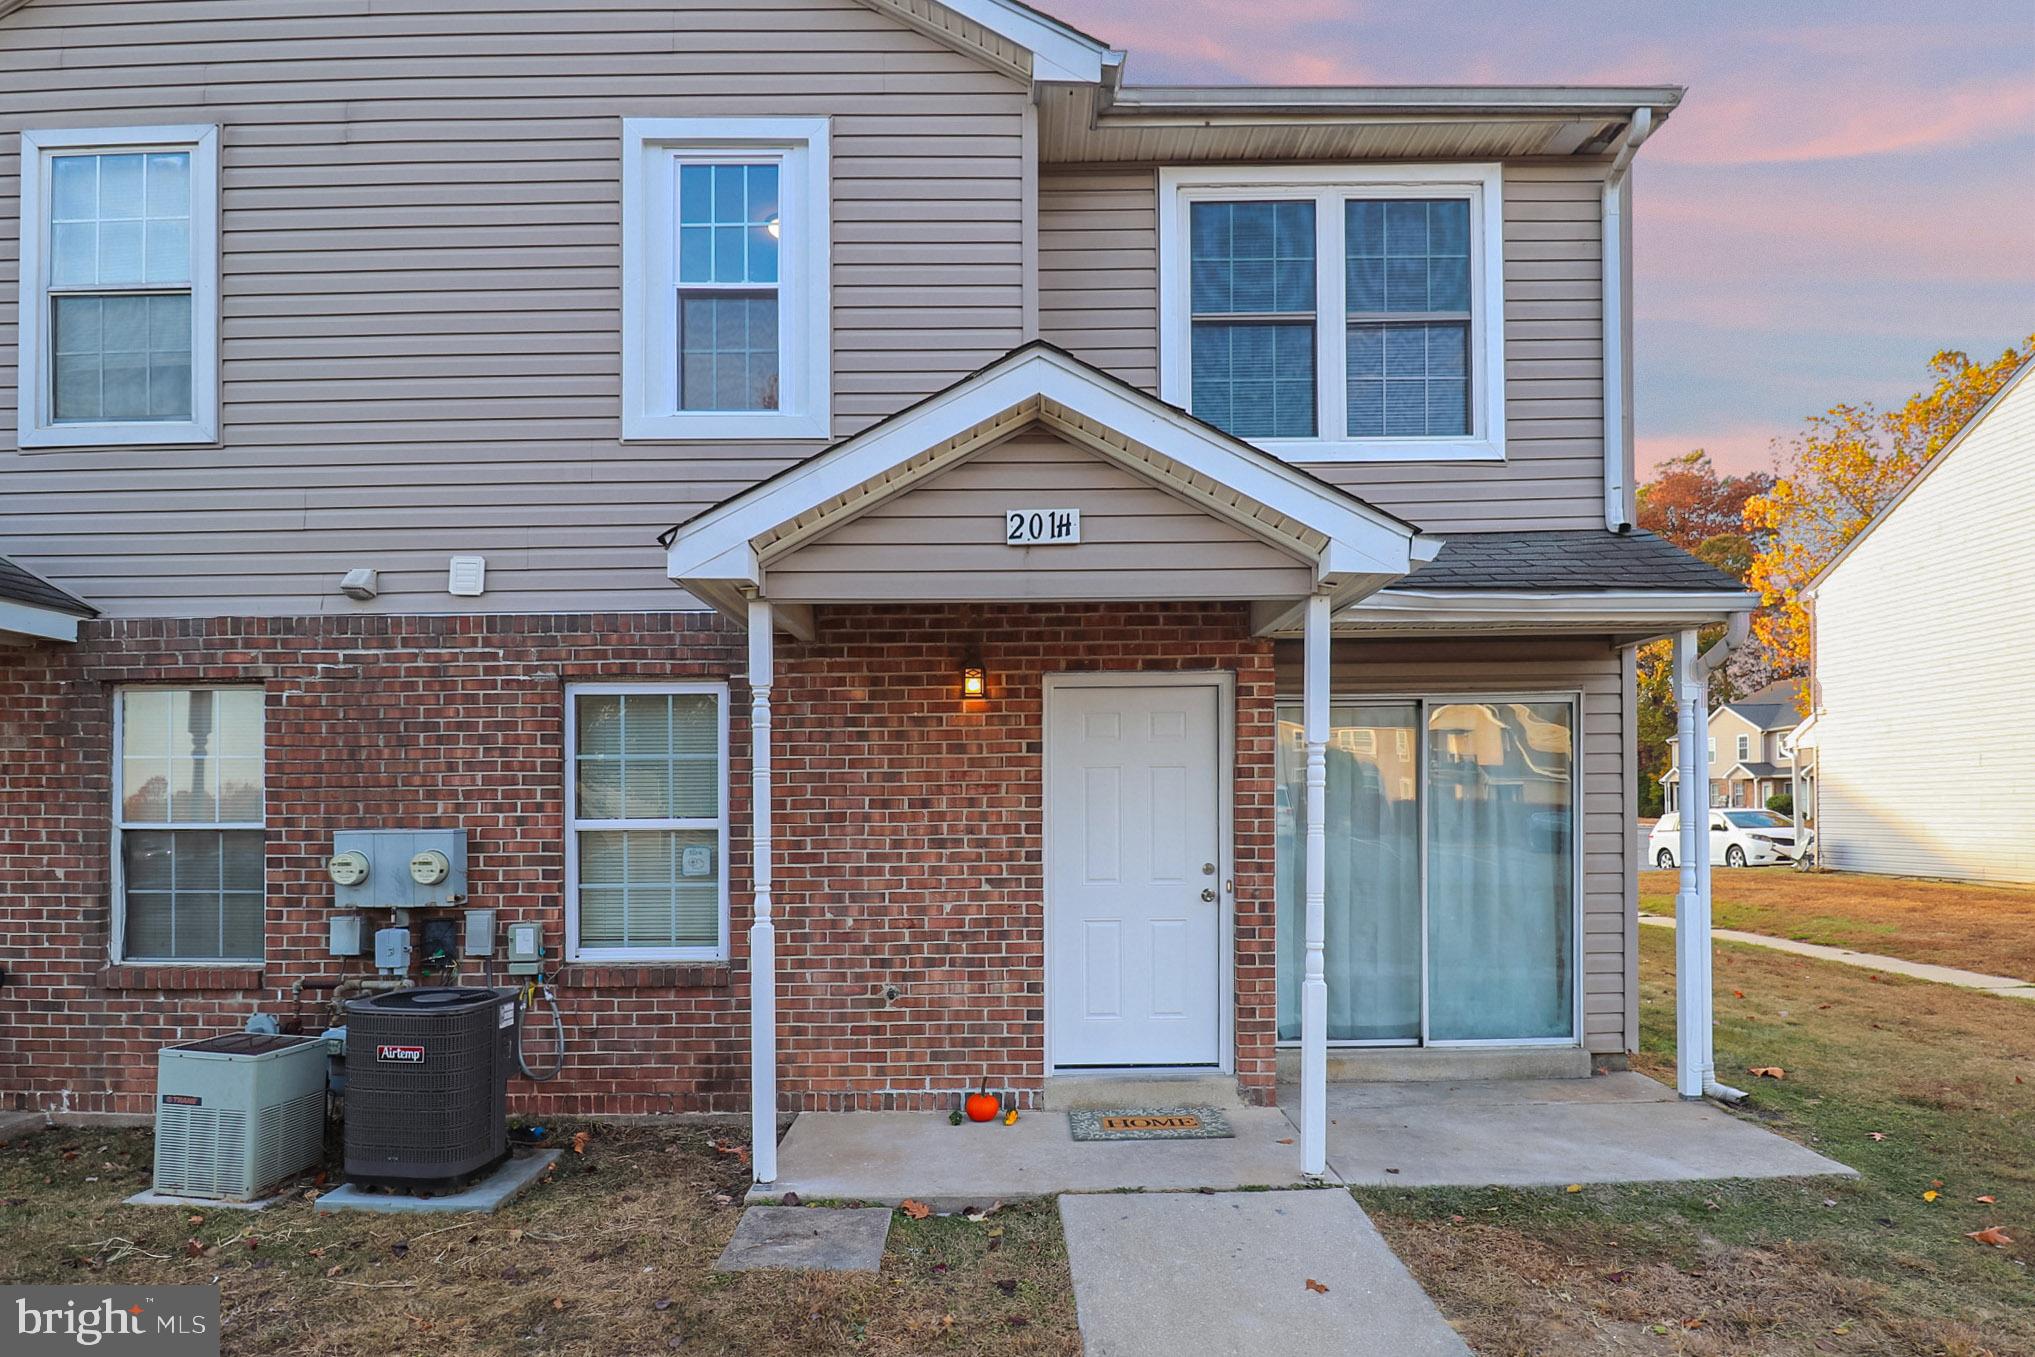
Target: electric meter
point(347, 869)
point(429, 867)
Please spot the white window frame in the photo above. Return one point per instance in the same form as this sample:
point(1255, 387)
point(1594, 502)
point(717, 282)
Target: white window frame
point(1327, 187)
point(1744, 748)
point(650, 150)
point(574, 825)
point(36, 426)
point(1423, 705)
point(117, 949)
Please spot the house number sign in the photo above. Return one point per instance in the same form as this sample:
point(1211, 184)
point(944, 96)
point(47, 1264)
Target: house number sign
point(1041, 527)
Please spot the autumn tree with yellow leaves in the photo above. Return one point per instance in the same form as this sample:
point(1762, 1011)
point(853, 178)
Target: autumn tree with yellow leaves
point(1843, 468)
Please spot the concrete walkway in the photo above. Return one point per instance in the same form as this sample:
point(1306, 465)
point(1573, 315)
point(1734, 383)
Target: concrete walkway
point(2007, 985)
point(1227, 1275)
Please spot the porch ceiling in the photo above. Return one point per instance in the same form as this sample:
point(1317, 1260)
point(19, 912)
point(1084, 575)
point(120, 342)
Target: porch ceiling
point(1327, 540)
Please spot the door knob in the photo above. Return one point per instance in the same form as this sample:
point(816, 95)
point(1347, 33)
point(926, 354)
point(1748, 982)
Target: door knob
point(1209, 895)
point(1208, 869)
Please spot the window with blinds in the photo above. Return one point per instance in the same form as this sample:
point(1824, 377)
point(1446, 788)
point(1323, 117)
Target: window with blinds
point(647, 829)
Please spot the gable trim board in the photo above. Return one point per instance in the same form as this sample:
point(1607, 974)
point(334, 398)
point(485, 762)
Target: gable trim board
point(1928, 468)
point(1350, 547)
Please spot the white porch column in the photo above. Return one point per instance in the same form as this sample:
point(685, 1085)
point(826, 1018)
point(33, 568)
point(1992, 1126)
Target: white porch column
point(1314, 976)
point(762, 933)
point(1693, 1060)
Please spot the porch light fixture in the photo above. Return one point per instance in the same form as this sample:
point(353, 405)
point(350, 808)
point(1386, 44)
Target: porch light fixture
point(974, 682)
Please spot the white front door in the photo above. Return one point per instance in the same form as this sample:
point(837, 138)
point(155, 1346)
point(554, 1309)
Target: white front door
point(1134, 865)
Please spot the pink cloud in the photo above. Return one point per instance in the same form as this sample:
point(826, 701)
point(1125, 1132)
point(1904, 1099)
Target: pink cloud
point(1733, 450)
point(1765, 128)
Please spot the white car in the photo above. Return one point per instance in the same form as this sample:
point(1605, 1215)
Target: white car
point(1738, 838)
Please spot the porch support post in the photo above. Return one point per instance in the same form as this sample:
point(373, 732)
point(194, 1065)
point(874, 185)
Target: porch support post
point(762, 932)
point(1314, 976)
point(1693, 1058)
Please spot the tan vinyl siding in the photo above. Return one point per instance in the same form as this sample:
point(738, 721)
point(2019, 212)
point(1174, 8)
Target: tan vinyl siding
point(944, 539)
point(421, 281)
point(1443, 669)
point(1924, 641)
point(1099, 297)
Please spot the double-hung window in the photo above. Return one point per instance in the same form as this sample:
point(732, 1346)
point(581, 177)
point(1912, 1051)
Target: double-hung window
point(119, 286)
point(1744, 747)
point(725, 291)
point(1350, 314)
point(187, 827)
point(646, 821)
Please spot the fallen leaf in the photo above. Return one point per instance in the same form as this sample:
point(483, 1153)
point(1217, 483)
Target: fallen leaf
point(1930, 1195)
point(192, 1248)
point(1009, 1287)
point(334, 1270)
point(1316, 1287)
point(1738, 994)
point(579, 1141)
point(1767, 1072)
point(790, 1199)
point(1875, 1135)
point(558, 1302)
point(947, 1320)
point(1985, 1201)
point(1285, 1140)
point(194, 1220)
point(1992, 1236)
point(1573, 1187)
point(917, 1210)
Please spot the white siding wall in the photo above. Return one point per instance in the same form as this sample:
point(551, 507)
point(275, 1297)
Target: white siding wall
point(1925, 657)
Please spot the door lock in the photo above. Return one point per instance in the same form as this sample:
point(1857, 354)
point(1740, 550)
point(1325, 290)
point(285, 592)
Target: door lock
point(1208, 869)
point(1209, 895)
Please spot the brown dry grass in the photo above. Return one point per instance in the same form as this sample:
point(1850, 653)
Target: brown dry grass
point(1978, 928)
point(612, 1256)
point(1864, 1268)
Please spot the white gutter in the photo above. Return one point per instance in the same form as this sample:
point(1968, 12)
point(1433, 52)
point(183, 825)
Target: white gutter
point(1695, 1017)
point(1617, 444)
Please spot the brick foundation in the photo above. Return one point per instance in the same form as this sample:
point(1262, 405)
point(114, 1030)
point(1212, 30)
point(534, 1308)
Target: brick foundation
point(908, 834)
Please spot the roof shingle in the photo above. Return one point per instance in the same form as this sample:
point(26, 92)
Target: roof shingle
point(18, 585)
point(1567, 560)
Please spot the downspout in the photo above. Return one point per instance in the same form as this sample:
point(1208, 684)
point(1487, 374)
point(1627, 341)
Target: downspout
point(1696, 1054)
point(1617, 446)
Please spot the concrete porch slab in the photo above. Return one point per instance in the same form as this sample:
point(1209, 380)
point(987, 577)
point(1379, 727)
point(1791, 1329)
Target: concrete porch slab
point(1616, 1128)
point(1227, 1275)
point(885, 1157)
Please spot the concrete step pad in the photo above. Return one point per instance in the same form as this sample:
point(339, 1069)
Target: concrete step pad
point(1226, 1274)
point(1066, 1092)
point(1410, 1064)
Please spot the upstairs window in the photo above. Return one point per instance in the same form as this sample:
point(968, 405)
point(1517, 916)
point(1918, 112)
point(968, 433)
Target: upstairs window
point(1744, 747)
point(119, 287)
point(1345, 315)
point(725, 292)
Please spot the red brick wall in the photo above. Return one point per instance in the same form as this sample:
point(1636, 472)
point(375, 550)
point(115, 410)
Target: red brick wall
point(907, 835)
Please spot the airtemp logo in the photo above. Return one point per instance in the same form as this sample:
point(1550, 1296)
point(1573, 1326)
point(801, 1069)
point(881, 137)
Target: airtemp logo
point(170, 1321)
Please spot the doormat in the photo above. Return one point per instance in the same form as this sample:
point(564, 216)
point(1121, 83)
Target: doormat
point(1148, 1123)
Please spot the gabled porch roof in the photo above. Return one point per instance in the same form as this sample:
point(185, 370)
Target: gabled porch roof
point(1349, 549)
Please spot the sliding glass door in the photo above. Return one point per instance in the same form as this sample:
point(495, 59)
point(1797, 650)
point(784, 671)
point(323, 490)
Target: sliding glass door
point(1451, 907)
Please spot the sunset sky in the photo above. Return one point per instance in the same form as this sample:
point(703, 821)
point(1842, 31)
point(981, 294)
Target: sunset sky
point(1846, 188)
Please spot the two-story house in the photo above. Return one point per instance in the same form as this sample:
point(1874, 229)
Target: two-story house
point(910, 557)
point(1750, 761)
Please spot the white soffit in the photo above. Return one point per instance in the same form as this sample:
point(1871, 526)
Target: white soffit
point(1015, 39)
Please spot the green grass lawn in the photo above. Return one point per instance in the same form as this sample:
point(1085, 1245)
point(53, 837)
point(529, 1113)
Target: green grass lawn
point(1867, 1266)
point(1948, 923)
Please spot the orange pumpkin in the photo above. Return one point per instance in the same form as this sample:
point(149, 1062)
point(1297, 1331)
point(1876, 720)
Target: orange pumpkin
point(981, 1106)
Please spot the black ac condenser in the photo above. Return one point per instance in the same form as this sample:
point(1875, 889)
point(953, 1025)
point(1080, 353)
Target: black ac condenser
point(426, 1079)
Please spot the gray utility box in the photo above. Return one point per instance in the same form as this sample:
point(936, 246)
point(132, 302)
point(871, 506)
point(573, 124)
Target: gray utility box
point(390, 883)
point(237, 1114)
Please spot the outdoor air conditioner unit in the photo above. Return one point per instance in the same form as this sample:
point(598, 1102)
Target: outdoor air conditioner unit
point(427, 1074)
point(237, 1114)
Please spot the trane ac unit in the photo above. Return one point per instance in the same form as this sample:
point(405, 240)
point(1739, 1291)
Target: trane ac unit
point(238, 1114)
point(427, 1072)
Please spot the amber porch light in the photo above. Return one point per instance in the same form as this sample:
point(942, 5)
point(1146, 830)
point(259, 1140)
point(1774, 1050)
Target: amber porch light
point(974, 682)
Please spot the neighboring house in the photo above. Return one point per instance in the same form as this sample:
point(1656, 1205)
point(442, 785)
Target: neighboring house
point(1159, 556)
point(1916, 752)
point(1749, 761)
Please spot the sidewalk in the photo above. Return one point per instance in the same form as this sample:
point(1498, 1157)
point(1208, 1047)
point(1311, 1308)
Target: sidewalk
point(2007, 985)
point(1241, 1274)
